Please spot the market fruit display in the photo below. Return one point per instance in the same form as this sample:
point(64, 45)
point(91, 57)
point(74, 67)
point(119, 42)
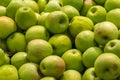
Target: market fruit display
point(59, 40)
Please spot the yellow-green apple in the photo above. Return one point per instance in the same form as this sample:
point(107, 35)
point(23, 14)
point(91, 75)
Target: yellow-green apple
point(105, 31)
point(32, 4)
point(25, 12)
point(111, 4)
point(60, 43)
point(2, 11)
point(38, 17)
point(52, 65)
point(48, 78)
point(73, 60)
point(18, 59)
point(41, 4)
point(16, 42)
point(90, 74)
point(5, 2)
point(52, 5)
point(70, 11)
point(2, 57)
point(7, 26)
point(113, 47)
point(113, 16)
point(8, 72)
point(97, 13)
point(36, 32)
point(29, 71)
point(90, 55)
point(84, 40)
point(80, 23)
point(57, 22)
point(87, 4)
point(71, 74)
point(107, 66)
point(75, 3)
point(38, 49)
point(100, 2)
point(13, 6)
point(7, 59)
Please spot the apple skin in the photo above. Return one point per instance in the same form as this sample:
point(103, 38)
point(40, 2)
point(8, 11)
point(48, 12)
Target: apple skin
point(7, 26)
point(2, 11)
point(90, 55)
point(71, 75)
point(41, 4)
point(52, 66)
point(48, 78)
point(73, 56)
point(60, 43)
point(25, 12)
point(90, 74)
point(16, 38)
point(113, 46)
point(29, 71)
point(105, 31)
point(5, 2)
point(57, 22)
point(107, 66)
point(2, 57)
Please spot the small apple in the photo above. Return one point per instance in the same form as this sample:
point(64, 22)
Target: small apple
point(97, 13)
point(90, 55)
point(73, 60)
point(7, 26)
point(8, 72)
point(57, 22)
point(84, 40)
point(2, 11)
point(38, 49)
point(105, 31)
point(52, 66)
point(18, 59)
point(29, 71)
point(90, 74)
point(60, 43)
point(2, 57)
point(41, 4)
point(22, 15)
point(107, 66)
point(71, 75)
point(16, 42)
point(36, 32)
point(48, 78)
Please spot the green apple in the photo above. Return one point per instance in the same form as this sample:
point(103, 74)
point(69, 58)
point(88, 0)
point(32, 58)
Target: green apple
point(100, 2)
point(42, 19)
point(18, 59)
point(111, 4)
point(2, 57)
point(7, 59)
point(105, 31)
point(75, 3)
point(84, 40)
point(86, 6)
point(7, 26)
point(113, 16)
point(52, 66)
point(2, 11)
point(13, 6)
point(52, 5)
point(3, 44)
point(36, 32)
point(60, 43)
point(38, 49)
point(80, 23)
point(29, 71)
point(90, 74)
point(16, 42)
point(107, 66)
point(41, 4)
point(8, 72)
point(73, 60)
point(71, 75)
point(38, 17)
point(32, 4)
point(113, 47)
point(97, 13)
point(22, 16)
point(48, 78)
point(70, 11)
point(57, 22)
point(5, 2)
point(90, 55)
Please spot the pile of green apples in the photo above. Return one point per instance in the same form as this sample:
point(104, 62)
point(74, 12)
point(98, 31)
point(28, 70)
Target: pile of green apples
point(59, 39)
